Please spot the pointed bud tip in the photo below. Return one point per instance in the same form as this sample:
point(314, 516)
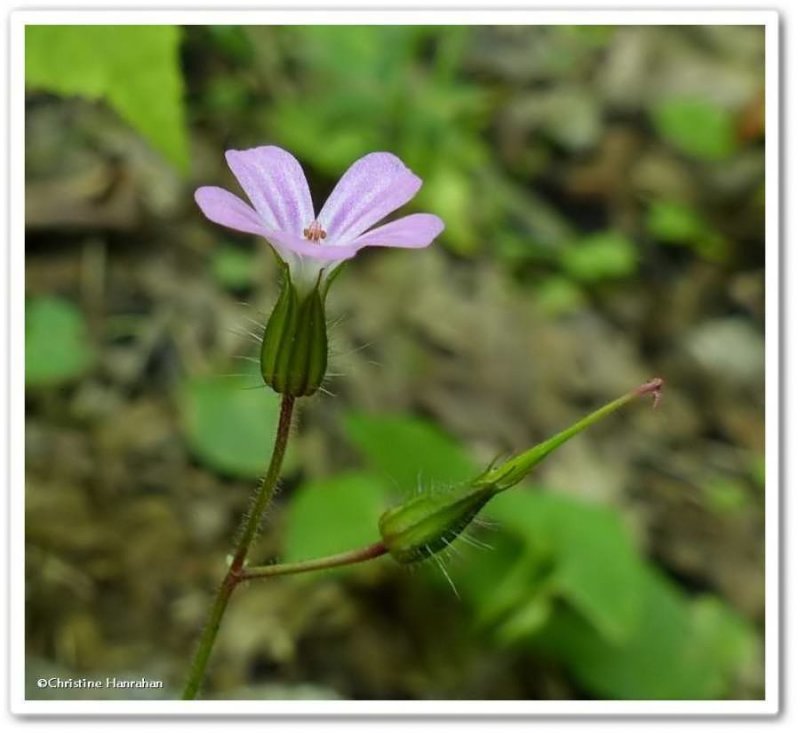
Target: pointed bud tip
point(653, 387)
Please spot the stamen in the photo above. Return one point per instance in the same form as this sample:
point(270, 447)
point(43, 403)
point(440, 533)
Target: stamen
point(314, 232)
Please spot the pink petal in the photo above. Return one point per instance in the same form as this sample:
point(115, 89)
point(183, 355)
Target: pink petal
point(371, 188)
point(228, 210)
point(414, 231)
point(317, 251)
point(276, 185)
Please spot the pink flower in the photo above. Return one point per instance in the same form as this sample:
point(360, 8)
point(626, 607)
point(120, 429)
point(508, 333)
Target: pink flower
point(282, 211)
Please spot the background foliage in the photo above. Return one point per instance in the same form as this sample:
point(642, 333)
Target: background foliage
point(603, 194)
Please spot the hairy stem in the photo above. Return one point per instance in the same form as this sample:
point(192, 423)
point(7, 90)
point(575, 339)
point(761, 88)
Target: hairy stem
point(356, 556)
point(267, 489)
point(234, 574)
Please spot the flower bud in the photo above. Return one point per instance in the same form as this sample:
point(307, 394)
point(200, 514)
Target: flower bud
point(428, 523)
point(294, 351)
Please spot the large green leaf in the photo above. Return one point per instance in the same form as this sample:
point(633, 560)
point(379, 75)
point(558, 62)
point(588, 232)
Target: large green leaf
point(409, 452)
point(133, 68)
point(723, 644)
point(508, 587)
point(595, 566)
point(57, 347)
point(333, 515)
point(230, 423)
point(679, 650)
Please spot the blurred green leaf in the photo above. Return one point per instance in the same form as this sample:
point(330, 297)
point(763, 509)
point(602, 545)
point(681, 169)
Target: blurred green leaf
point(696, 127)
point(568, 115)
point(558, 295)
point(757, 469)
point(594, 36)
point(679, 649)
point(449, 193)
point(525, 620)
point(514, 597)
point(600, 256)
point(233, 42)
point(227, 96)
point(333, 515)
point(724, 644)
point(57, 347)
point(408, 451)
point(233, 267)
point(230, 423)
point(479, 582)
point(676, 223)
point(302, 133)
point(595, 566)
point(725, 495)
point(136, 69)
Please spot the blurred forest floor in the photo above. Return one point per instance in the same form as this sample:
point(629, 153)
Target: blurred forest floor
point(601, 231)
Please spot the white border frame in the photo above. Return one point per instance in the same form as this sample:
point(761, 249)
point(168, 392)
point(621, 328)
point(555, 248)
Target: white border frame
point(305, 708)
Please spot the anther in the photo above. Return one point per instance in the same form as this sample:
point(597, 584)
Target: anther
point(314, 232)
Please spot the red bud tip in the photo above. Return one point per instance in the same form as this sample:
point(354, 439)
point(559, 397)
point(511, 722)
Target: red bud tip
point(653, 388)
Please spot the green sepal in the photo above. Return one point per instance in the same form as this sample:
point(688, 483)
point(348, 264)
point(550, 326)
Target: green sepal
point(294, 351)
point(427, 523)
point(276, 332)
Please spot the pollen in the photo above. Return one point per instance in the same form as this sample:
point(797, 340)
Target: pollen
point(314, 232)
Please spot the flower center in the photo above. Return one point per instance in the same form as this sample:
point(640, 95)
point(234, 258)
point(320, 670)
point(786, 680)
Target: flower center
point(314, 232)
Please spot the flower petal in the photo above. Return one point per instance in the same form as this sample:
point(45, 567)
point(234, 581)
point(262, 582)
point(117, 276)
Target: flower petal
point(228, 210)
point(414, 231)
point(283, 241)
point(371, 188)
point(277, 186)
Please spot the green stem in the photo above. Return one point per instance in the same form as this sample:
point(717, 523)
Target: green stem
point(511, 472)
point(199, 663)
point(267, 488)
point(356, 556)
point(234, 574)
